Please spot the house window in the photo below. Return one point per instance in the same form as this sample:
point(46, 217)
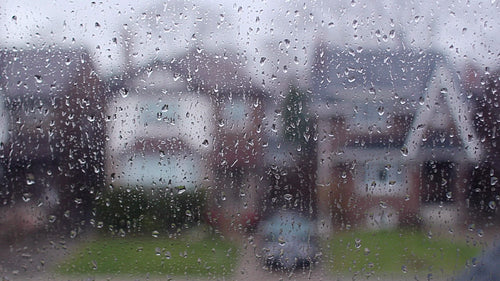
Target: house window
point(369, 117)
point(235, 113)
point(383, 179)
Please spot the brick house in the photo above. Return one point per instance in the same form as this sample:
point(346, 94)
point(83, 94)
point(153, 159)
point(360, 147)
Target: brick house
point(218, 121)
point(53, 151)
point(395, 140)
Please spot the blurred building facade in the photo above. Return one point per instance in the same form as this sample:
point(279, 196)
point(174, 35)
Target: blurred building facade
point(396, 142)
point(52, 152)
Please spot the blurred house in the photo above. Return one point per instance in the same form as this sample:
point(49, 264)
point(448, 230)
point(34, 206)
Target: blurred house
point(396, 143)
point(53, 134)
point(158, 130)
point(238, 104)
point(482, 87)
point(194, 121)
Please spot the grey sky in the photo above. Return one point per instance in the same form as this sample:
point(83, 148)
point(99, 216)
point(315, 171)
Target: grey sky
point(282, 32)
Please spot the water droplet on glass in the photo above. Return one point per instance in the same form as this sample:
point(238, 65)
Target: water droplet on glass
point(188, 213)
point(181, 189)
point(380, 110)
point(100, 224)
point(357, 243)
point(262, 60)
point(27, 197)
point(121, 233)
point(94, 265)
point(38, 78)
point(404, 269)
point(72, 234)
point(448, 194)
point(52, 218)
point(404, 151)
point(288, 196)
point(158, 251)
point(205, 142)
point(155, 233)
point(493, 180)
point(123, 92)
point(168, 255)
point(492, 205)
point(281, 241)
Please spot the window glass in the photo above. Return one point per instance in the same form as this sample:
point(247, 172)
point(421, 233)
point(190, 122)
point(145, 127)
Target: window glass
point(249, 140)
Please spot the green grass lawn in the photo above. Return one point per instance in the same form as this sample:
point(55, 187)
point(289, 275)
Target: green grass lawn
point(207, 256)
point(398, 251)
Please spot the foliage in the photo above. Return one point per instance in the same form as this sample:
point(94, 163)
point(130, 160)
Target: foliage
point(296, 118)
point(133, 210)
point(398, 251)
point(208, 256)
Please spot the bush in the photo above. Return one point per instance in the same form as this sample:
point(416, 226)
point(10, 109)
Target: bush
point(133, 210)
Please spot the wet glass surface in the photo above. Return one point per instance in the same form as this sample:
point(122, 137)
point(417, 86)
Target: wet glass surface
point(222, 140)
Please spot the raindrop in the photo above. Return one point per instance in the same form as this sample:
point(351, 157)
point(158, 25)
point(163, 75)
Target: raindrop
point(100, 224)
point(288, 196)
point(168, 255)
point(404, 151)
point(448, 194)
point(27, 197)
point(155, 233)
point(158, 251)
point(421, 100)
point(52, 218)
point(72, 234)
point(38, 78)
point(262, 60)
point(281, 241)
point(94, 265)
point(205, 143)
point(372, 91)
point(181, 189)
point(357, 243)
point(188, 213)
point(380, 110)
point(492, 205)
point(121, 232)
point(383, 205)
point(404, 269)
point(493, 180)
point(123, 92)
point(287, 43)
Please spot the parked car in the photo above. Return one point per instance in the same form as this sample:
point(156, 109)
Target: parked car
point(287, 240)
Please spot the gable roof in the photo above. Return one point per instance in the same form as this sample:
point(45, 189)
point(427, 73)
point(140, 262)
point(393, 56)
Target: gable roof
point(444, 93)
point(42, 71)
point(401, 82)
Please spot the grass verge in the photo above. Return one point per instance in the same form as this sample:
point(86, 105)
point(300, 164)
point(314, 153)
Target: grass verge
point(208, 256)
point(396, 251)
